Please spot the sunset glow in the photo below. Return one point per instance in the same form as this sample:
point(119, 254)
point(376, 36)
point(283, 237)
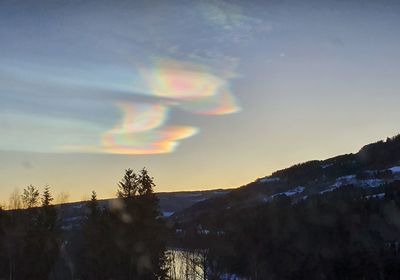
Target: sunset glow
point(190, 90)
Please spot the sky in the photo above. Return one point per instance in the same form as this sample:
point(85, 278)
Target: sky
point(204, 94)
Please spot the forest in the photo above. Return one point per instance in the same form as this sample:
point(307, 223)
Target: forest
point(348, 231)
point(345, 234)
point(125, 241)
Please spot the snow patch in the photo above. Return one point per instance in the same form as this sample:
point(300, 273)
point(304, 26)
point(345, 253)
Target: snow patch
point(351, 180)
point(395, 169)
point(329, 190)
point(168, 214)
point(288, 193)
point(295, 191)
point(270, 180)
point(371, 183)
point(378, 195)
point(344, 180)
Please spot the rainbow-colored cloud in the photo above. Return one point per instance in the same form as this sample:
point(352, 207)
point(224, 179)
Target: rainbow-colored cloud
point(140, 117)
point(191, 87)
point(152, 142)
point(221, 103)
point(143, 127)
point(142, 131)
point(180, 80)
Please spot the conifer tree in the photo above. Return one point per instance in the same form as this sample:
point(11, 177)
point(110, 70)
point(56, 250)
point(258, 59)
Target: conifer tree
point(95, 242)
point(46, 198)
point(41, 241)
point(93, 207)
point(153, 228)
point(48, 214)
point(128, 186)
point(146, 183)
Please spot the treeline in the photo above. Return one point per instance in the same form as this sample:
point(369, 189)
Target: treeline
point(350, 233)
point(375, 156)
point(123, 241)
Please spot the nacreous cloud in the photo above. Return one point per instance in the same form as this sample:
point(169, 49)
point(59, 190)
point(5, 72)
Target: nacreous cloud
point(142, 127)
point(220, 104)
point(140, 117)
point(142, 132)
point(193, 87)
point(180, 80)
point(159, 141)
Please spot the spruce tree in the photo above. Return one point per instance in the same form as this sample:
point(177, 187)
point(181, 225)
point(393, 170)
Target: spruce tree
point(93, 207)
point(139, 231)
point(151, 228)
point(128, 186)
point(41, 241)
point(95, 241)
point(146, 183)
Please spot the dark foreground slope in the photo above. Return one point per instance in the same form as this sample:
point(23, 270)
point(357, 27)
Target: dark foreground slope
point(373, 166)
point(332, 219)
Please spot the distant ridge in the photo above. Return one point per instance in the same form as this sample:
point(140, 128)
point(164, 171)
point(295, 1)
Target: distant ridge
point(374, 165)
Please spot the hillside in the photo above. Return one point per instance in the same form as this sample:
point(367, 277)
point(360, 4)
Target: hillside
point(71, 214)
point(331, 219)
point(373, 166)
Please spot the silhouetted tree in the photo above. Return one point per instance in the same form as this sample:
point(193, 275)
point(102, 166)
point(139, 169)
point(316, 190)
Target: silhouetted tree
point(93, 208)
point(145, 183)
point(15, 200)
point(152, 227)
point(95, 259)
point(41, 241)
point(4, 263)
point(128, 186)
point(138, 231)
point(30, 197)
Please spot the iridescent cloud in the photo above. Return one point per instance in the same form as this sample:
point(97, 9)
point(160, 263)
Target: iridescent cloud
point(159, 141)
point(191, 86)
point(180, 80)
point(141, 131)
point(142, 127)
point(140, 117)
point(150, 142)
point(220, 104)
